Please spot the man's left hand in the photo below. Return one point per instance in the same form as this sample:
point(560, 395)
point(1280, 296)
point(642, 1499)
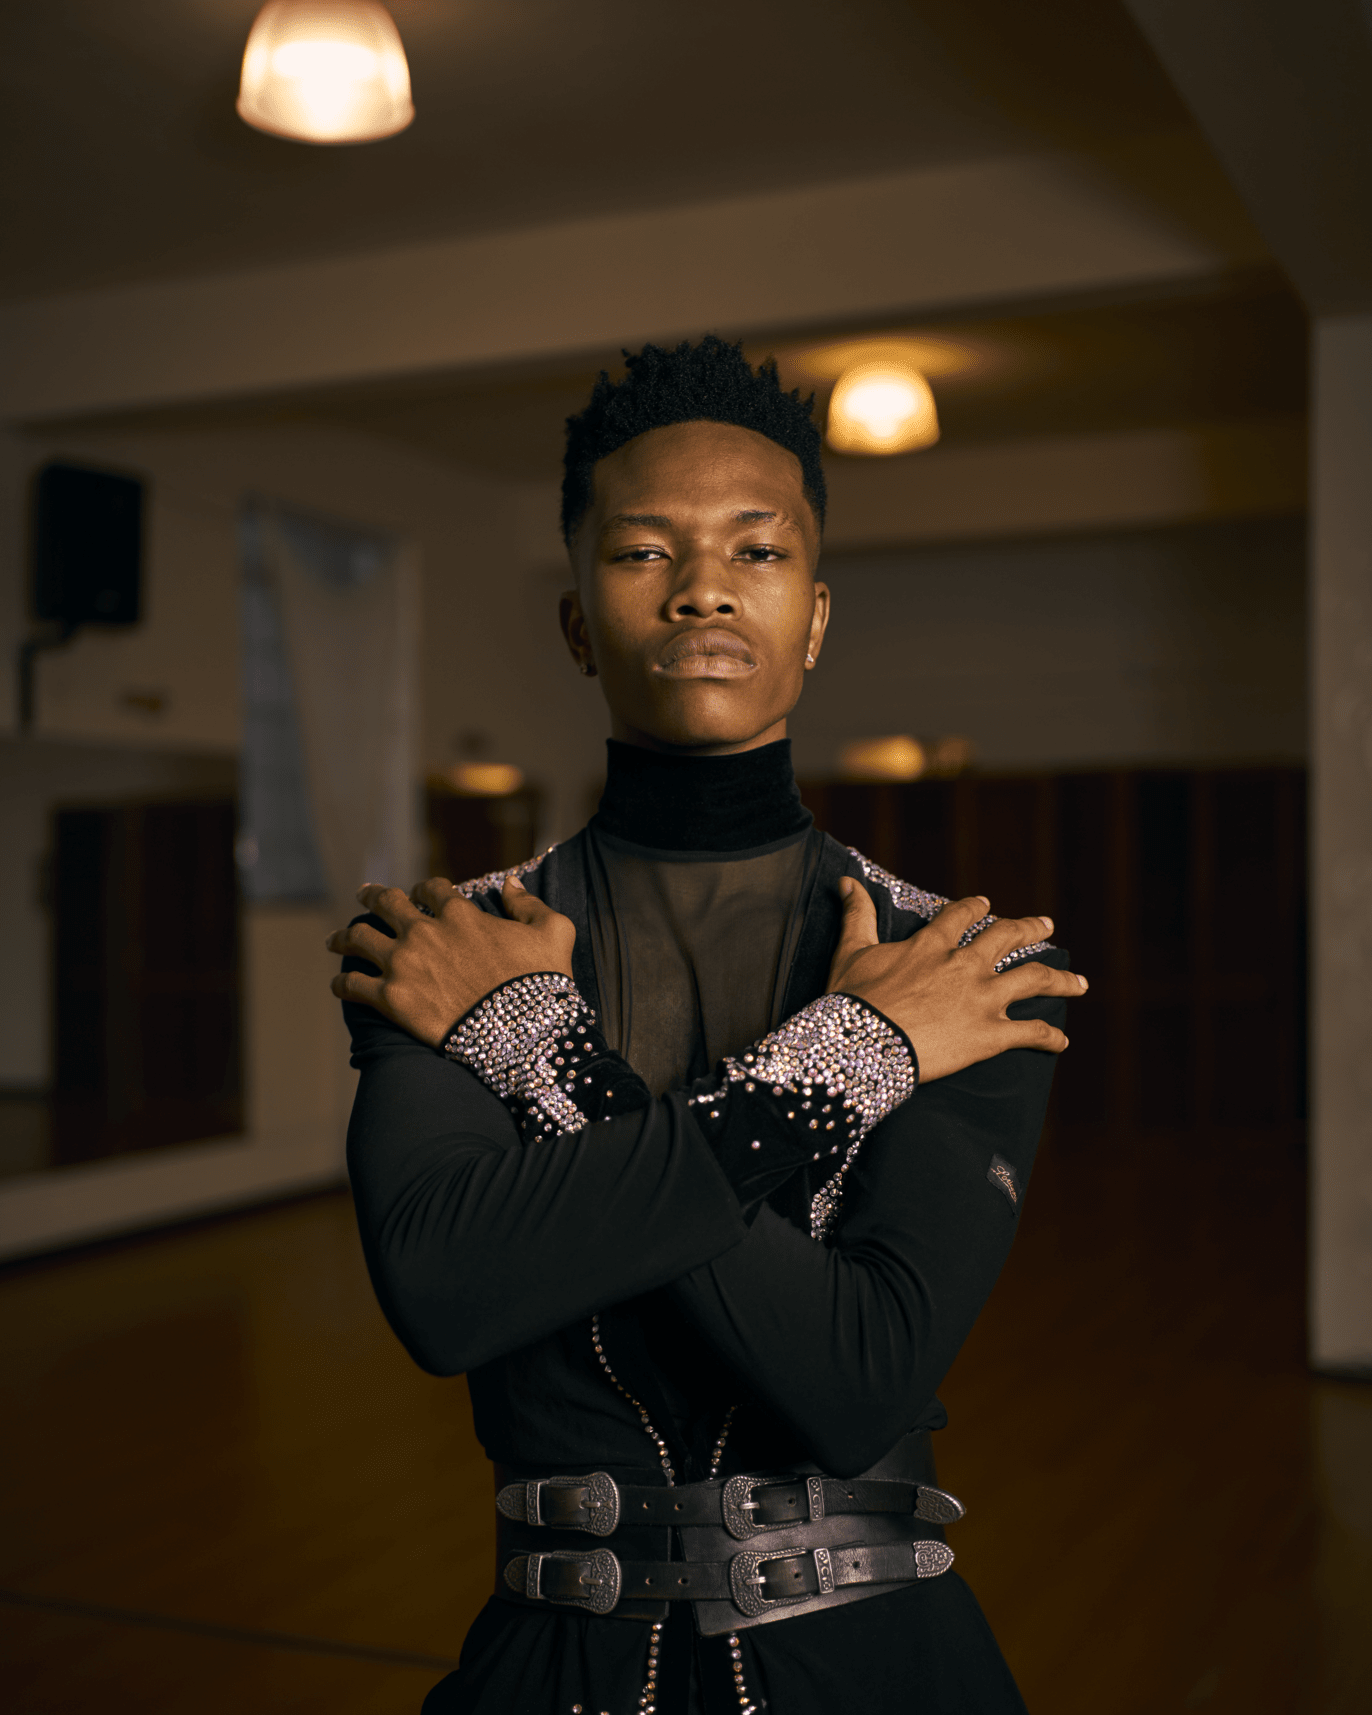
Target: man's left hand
point(437, 968)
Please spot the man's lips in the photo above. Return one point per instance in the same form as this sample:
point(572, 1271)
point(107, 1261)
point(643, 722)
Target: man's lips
point(705, 655)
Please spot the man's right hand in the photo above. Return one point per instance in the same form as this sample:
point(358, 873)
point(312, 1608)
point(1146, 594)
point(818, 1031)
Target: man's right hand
point(949, 999)
point(437, 966)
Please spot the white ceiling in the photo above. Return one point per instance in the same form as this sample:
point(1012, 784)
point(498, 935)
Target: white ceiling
point(125, 159)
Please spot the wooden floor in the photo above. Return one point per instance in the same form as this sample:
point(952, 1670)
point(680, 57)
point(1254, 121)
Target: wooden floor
point(227, 1489)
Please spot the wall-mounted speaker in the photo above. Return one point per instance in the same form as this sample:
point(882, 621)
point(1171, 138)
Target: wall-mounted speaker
point(87, 547)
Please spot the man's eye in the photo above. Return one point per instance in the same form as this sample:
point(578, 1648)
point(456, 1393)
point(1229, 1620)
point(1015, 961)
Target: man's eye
point(639, 556)
point(760, 553)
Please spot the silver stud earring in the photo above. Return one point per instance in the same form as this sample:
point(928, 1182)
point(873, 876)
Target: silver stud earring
point(809, 660)
point(587, 668)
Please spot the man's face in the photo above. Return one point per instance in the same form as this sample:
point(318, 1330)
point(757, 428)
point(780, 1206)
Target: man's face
point(696, 599)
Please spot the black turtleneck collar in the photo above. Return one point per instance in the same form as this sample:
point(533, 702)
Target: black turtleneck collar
point(701, 803)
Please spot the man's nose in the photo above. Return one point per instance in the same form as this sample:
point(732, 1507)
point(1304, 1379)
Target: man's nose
point(705, 588)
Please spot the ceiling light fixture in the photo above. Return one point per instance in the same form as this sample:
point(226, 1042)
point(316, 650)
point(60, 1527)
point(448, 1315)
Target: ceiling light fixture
point(325, 71)
point(882, 408)
point(483, 779)
point(899, 757)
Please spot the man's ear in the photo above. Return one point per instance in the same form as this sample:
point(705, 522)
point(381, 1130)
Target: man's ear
point(819, 621)
point(574, 629)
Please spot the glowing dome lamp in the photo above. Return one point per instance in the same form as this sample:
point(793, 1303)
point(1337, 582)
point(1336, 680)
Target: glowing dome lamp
point(881, 408)
point(899, 757)
point(325, 71)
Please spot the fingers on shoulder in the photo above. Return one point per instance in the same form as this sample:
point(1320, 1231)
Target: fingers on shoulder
point(859, 925)
point(433, 894)
point(1032, 977)
point(390, 903)
point(957, 917)
point(1007, 934)
point(355, 985)
point(1038, 1033)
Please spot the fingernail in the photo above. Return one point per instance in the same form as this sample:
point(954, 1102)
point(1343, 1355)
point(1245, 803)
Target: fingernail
point(1047, 925)
point(516, 883)
point(1082, 980)
point(985, 901)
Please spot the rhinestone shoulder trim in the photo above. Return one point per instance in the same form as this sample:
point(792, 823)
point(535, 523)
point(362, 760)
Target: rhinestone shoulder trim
point(928, 905)
point(524, 1041)
point(496, 879)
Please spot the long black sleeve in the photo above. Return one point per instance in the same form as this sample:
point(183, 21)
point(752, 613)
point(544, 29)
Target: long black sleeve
point(480, 1202)
point(848, 1341)
point(479, 1243)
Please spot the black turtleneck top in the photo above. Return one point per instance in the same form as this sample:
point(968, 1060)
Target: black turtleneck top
point(700, 868)
point(706, 908)
point(732, 805)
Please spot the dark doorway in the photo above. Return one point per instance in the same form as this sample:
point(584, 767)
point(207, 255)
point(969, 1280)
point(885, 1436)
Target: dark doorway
point(147, 978)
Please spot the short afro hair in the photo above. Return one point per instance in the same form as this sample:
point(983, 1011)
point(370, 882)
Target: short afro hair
point(711, 382)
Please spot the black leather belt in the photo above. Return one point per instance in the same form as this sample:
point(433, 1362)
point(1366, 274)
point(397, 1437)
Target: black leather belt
point(758, 1547)
point(754, 1580)
point(746, 1506)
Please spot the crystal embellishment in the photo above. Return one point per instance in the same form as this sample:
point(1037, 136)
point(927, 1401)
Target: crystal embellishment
point(512, 1039)
point(928, 905)
point(835, 1069)
point(496, 879)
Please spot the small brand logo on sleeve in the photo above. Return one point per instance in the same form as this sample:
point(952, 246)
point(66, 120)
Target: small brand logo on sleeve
point(1002, 1175)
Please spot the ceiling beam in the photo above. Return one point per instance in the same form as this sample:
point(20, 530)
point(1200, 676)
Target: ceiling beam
point(906, 243)
point(1283, 91)
point(1130, 479)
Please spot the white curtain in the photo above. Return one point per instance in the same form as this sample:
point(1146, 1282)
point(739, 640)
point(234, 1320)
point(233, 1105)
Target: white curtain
point(342, 599)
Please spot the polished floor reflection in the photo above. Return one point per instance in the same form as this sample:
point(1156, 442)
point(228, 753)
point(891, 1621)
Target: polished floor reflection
point(226, 1487)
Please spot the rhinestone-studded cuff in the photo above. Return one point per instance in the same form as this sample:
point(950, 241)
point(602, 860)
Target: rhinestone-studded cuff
point(534, 1042)
point(824, 1079)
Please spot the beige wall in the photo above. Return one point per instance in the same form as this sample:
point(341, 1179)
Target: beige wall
point(1181, 645)
point(1341, 756)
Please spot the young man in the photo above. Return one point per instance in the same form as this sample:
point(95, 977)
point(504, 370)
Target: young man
point(699, 1142)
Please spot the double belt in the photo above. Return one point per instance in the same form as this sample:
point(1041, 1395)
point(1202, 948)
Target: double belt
point(762, 1546)
point(756, 1581)
point(746, 1506)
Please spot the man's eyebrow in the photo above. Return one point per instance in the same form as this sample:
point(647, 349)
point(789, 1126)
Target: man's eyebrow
point(660, 521)
point(648, 520)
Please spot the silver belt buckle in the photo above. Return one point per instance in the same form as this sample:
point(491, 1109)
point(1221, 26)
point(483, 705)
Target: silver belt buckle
point(737, 1503)
point(745, 1583)
point(523, 1502)
point(601, 1581)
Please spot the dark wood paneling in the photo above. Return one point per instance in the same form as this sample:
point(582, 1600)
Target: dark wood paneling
point(1180, 893)
point(147, 998)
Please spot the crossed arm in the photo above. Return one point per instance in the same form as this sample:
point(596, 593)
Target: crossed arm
point(467, 1223)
